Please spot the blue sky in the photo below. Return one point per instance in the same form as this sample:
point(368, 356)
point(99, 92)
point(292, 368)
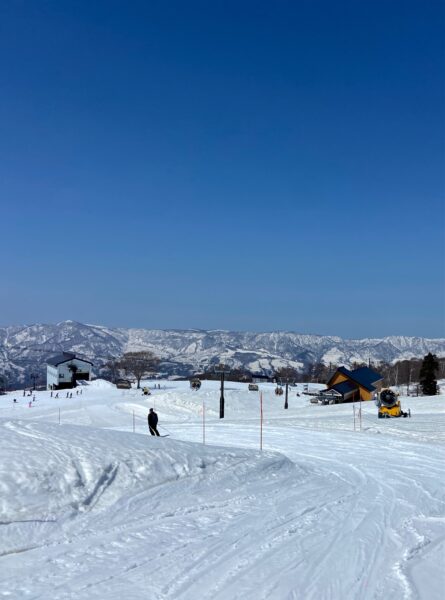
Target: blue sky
point(237, 165)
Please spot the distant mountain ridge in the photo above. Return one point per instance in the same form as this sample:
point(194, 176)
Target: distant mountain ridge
point(25, 349)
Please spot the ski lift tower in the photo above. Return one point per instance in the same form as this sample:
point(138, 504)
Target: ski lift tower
point(285, 381)
point(221, 369)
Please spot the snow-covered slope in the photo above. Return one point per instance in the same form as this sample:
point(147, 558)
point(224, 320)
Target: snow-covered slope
point(25, 349)
point(91, 510)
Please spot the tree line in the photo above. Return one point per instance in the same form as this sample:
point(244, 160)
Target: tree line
point(410, 373)
point(418, 375)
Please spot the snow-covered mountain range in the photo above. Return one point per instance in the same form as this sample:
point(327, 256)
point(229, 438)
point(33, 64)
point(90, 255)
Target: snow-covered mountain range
point(24, 349)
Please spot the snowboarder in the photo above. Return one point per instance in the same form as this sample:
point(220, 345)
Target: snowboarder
point(57, 395)
point(15, 401)
point(153, 422)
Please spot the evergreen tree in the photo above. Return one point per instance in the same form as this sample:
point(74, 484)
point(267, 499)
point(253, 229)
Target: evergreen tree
point(427, 376)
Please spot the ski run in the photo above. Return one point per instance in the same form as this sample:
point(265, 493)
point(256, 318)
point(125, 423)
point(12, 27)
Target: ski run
point(93, 507)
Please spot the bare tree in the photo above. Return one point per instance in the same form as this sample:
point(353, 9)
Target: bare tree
point(3, 384)
point(410, 373)
point(112, 366)
point(34, 378)
point(286, 374)
point(442, 368)
point(138, 364)
point(73, 368)
point(317, 373)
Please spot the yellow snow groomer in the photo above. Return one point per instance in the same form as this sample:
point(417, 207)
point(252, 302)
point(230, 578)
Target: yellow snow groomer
point(389, 405)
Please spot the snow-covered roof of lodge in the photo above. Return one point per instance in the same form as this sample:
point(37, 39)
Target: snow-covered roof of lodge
point(364, 376)
point(58, 359)
point(345, 387)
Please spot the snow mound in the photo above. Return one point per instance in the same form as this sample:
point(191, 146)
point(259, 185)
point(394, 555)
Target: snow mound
point(101, 384)
point(51, 474)
point(93, 512)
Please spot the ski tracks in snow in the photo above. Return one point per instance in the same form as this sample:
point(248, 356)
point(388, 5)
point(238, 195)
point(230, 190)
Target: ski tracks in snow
point(353, 516)
point(374, 491)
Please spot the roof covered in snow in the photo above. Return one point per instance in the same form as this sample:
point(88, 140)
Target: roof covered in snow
point(58, 359)
point(366, 377)
point(345, 387)
point(363, 376)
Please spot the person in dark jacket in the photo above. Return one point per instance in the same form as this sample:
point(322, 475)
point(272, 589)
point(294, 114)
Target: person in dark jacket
point(153, 422)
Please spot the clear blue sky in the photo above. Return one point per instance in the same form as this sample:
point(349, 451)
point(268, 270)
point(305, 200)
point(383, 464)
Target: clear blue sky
point(237, 165)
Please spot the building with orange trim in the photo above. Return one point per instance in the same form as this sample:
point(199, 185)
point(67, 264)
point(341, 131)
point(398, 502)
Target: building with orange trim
point(353, 386)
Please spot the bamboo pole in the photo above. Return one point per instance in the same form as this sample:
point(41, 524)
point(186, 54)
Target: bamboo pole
point(261, 421)
point(353, 410)
point(203, 422)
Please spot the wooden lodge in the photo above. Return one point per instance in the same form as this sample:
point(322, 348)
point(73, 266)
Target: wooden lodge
point(351, 386)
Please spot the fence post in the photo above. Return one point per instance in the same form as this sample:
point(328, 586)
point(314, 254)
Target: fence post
point(203, 422)
point(261, 421)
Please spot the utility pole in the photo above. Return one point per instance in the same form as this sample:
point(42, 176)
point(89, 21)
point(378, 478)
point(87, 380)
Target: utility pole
point(221, 370)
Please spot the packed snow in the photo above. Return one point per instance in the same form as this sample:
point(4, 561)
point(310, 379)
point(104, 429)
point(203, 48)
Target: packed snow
point(333, 507)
